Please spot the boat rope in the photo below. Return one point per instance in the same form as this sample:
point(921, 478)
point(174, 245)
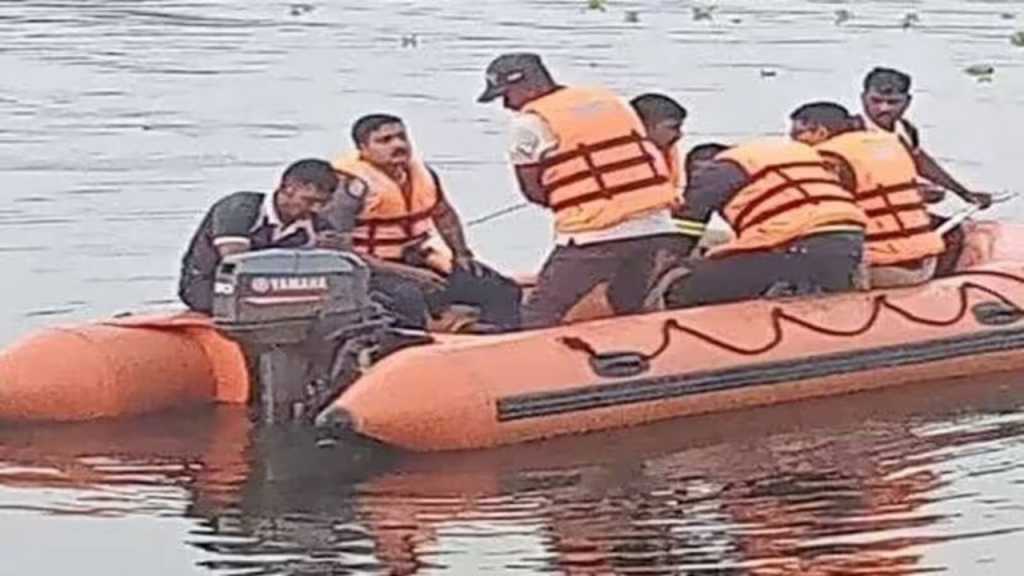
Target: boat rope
point(497, 214)
point(779, 316)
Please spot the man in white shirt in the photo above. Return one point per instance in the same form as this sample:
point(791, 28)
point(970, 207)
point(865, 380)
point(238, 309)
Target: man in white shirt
point(584, 154)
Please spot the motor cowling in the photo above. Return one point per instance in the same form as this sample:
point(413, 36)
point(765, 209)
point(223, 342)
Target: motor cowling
point(301, 316)
point(278, 296)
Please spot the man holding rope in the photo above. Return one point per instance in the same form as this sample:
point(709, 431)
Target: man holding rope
point(584, 154)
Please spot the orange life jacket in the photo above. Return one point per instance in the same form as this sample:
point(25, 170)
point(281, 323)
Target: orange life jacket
point(392, 219)
point(790, 194)
point(605, 170)
point(899, 229)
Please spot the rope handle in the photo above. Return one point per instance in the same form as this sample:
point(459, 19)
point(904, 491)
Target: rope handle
point(778, 316)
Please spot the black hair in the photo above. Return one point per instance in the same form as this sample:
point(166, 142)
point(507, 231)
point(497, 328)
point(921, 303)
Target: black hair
point(703, 153)
point(832, 116)
point(653, 108)
point(313, 171)
point(368, 124)
point(887, 81)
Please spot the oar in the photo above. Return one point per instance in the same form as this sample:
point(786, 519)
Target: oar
point(966, 212)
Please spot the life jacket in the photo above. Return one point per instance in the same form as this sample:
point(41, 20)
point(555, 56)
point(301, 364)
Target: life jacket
point(899, 227)
point(391, 219)
point(790, 194)
point(604, 170)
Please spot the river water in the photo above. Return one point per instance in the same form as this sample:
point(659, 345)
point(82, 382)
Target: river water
point(123, 120)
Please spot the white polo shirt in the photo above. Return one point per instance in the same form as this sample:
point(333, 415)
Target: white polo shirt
point(531, 140)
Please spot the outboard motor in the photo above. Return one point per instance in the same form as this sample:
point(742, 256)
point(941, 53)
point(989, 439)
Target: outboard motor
point(306, 316)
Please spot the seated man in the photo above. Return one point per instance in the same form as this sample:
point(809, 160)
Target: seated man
point(244, 221)
point(663, 119)
point(885, 99)
point(796, 228)
point(703, 155)
point(878, 168)
point(699, 157)
point(406, 226)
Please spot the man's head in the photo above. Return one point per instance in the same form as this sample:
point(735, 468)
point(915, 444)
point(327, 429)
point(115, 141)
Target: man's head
point(886, 96)
point(517, 78)
point(382, 140)
point(702, 155)
point(306, 186)
point(818, 121)
point(662, 116)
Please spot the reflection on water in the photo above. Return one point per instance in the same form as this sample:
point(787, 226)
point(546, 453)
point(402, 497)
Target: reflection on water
point(123, 121)
point(899, 482)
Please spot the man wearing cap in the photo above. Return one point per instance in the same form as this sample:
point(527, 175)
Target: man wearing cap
point(584, 154)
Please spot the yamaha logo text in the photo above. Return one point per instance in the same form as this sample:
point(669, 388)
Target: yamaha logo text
point(278, 284)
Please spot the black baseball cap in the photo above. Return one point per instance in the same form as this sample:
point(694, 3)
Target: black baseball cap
point(506, 70)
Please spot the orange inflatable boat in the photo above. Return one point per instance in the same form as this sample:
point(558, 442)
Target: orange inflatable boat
point(120, 367)
point(476, 391)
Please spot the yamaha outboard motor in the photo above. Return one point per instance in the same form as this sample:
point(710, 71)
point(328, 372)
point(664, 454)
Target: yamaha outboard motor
point(305, 317)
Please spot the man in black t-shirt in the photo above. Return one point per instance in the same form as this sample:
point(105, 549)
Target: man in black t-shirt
point(885, 100)
point(243, 221)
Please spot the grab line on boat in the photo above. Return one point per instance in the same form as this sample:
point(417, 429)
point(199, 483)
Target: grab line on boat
point(675, 386)
point(778, 315)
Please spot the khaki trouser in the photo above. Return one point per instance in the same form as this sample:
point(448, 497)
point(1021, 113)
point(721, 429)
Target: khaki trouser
point(896, 276)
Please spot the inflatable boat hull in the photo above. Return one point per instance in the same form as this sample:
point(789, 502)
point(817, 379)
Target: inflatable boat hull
point(123, 367)
point(477, 392)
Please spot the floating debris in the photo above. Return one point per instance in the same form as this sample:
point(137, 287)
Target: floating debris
point(1017, 39)
point(410, 41)
point(909, 20)
point(601, 5)
point(843, 15)
point(736, 20)
point(300, 9)
point(983, 72)
point(1007, 16)
point(980, 69)
point(703, 12)
point(768, 73)
point(632, 16)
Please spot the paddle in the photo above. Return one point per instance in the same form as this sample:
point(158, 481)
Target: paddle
point(966, 212)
